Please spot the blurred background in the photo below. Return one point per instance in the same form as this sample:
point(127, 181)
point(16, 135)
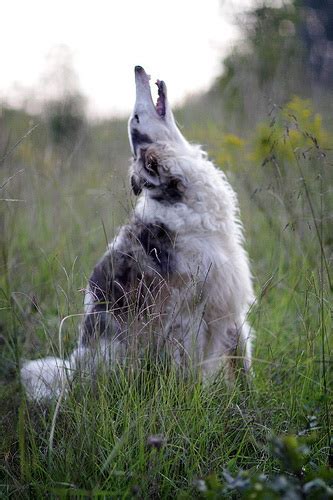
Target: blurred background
point(68, 47)
point(92, 48)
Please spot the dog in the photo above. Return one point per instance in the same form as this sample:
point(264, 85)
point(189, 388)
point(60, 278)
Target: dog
point(176, 278)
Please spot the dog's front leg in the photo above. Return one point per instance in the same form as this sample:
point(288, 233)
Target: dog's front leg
point(228, 348)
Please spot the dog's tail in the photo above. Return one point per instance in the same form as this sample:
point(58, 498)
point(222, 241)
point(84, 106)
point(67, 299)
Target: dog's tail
point(46, 378)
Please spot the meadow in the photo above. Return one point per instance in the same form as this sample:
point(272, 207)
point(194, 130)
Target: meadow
point(149, 432)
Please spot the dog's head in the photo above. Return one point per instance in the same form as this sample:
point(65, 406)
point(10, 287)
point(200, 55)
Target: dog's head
point(150, 123)
point(154, 171)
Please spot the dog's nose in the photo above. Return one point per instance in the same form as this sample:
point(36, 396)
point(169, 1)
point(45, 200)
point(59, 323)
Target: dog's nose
point(138, 69)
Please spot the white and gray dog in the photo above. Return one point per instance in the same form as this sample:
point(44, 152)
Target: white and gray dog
point(176, 278)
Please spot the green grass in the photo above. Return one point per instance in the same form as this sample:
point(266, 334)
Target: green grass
point(101, 446)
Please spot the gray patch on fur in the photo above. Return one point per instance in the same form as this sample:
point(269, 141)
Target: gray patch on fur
point(138, 139)
point(116, 283)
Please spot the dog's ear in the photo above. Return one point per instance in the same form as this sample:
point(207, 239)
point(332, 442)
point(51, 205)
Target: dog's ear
point(150, 160)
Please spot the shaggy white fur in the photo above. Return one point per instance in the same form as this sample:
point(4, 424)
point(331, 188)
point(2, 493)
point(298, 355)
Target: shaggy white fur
point(210, 252)
point(177, 277)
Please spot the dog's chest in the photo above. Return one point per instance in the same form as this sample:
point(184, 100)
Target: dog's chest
point(198, 255)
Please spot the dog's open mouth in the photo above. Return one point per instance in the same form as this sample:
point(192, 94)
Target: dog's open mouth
point(160, 104)
point(143, 91)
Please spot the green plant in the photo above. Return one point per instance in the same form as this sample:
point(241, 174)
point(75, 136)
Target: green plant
point(296, 479)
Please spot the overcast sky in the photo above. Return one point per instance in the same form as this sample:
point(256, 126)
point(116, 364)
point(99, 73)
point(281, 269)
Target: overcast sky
point(180, 41)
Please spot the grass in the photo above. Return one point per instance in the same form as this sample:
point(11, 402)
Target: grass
point(151, 432)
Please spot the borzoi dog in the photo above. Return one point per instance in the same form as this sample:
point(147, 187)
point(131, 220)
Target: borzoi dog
point(176, 278)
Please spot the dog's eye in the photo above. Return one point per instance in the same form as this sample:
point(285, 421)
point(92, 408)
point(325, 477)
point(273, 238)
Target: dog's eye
point(137, 118)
